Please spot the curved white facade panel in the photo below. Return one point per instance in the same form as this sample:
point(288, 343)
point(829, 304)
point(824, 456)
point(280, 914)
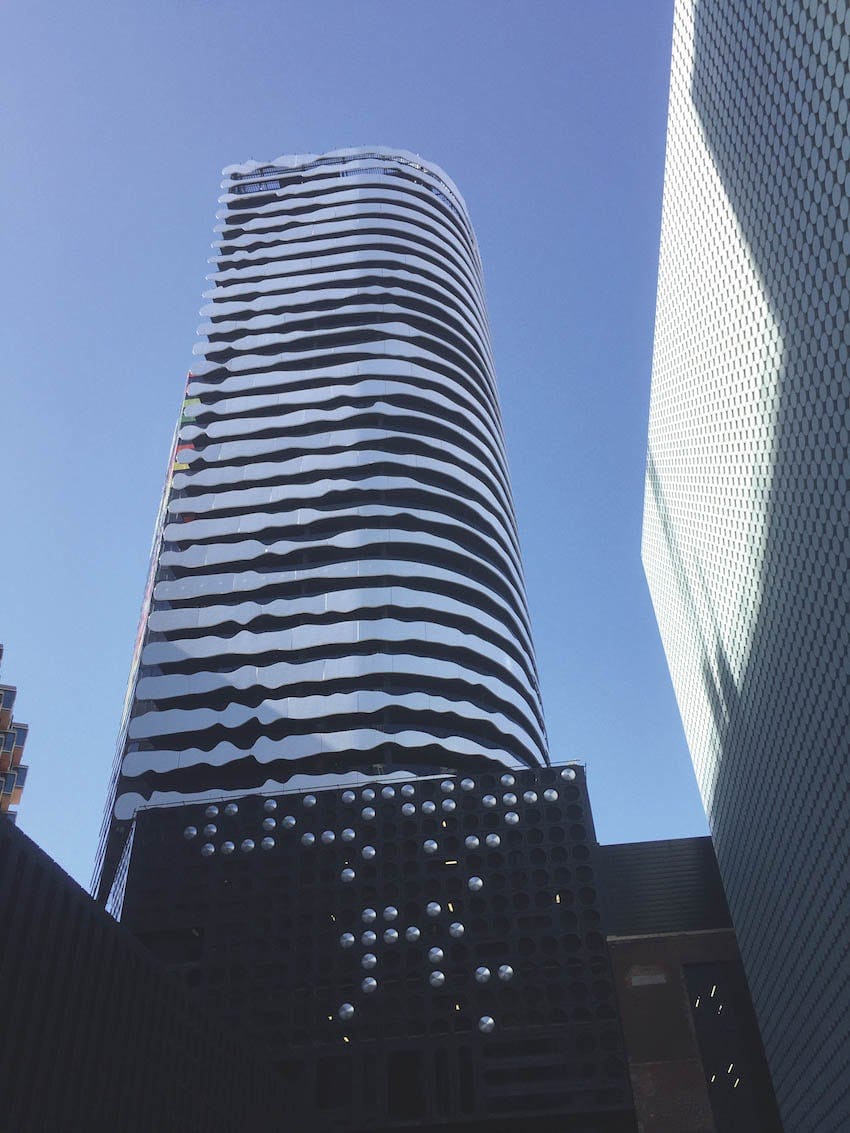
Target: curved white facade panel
point(338, 585)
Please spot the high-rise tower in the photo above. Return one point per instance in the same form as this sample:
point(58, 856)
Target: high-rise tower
point(746, 529)
point(336, 584)
point(335, 604)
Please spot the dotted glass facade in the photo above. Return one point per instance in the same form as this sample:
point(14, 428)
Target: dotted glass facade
point(747, 515)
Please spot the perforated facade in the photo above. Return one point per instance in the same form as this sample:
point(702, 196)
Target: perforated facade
point(746, 517)
point(428, 954)
point(336, 585)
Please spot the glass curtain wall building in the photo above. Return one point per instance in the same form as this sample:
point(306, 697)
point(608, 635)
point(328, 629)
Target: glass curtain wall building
point(336, 586)
point(746, 519)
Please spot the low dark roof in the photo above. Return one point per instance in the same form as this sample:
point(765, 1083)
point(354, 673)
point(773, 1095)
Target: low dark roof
point(666, 886)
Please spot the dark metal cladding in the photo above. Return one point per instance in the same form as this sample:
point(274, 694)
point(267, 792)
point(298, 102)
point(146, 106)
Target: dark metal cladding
point(428, 951)
point(672, 885)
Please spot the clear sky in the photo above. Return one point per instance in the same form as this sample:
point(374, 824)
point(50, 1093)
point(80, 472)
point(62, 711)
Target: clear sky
point(119, 116)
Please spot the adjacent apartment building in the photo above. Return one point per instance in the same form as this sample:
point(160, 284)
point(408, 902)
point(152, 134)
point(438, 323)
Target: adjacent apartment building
point(746, 539)
point(13, 736)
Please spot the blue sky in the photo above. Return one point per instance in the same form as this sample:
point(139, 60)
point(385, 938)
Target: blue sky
point(550, 116)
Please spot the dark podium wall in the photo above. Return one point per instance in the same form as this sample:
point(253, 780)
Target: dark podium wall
point(282, 910)
point(95, 1037)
